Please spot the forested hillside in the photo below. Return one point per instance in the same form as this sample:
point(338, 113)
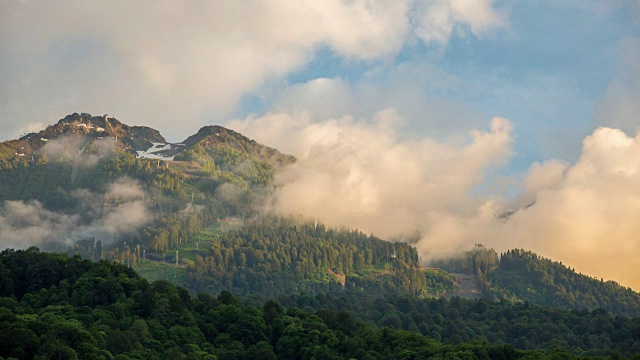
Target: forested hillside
point(457, 321)
point(271, 256)
point(525, 275)
point(52, 306)
point(520, 275)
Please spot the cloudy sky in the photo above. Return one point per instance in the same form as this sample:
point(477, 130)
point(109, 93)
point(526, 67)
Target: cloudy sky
point(427, 115)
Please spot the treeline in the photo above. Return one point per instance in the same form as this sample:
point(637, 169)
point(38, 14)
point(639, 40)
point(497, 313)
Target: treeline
point(526, 275)
point(52, 306)
point(520, 275)
point(271, 255)
point(480, 261)
point(458, 321)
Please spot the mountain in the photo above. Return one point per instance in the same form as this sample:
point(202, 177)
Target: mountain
point(229, 151)
point(194, 213)
point(141, 141)
point(84, 151)
point(218, 137)
point(89, 129)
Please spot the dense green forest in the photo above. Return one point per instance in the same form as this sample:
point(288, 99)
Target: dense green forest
point(52, 306)
point(525, 275)
point(271, 255)
point(457, 321)
point(520, 275)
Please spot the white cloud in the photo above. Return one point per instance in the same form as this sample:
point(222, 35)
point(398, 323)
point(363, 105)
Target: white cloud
point(123, 210)
point(437, 20)
point(362, 174)
point(589, 219)
point(170, 63)
point(584, 215)
point(420, 92)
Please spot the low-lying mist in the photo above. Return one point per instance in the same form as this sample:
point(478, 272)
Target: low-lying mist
point(364, 174)
point(123, 209)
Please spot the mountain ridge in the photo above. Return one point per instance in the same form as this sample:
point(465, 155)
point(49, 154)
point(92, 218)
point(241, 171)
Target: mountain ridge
point(130, 138)
point(142, 141)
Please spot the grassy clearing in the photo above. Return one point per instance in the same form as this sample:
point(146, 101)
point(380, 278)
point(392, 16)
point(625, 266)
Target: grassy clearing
point(164, 267)
point(153, 270)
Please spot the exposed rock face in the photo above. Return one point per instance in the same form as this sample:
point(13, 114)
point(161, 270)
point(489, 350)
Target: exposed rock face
point(129, 138)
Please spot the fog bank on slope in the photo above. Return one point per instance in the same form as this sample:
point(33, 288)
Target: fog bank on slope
point(123, 209)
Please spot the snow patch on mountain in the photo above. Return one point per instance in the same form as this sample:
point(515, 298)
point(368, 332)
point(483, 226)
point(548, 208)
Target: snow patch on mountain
point(160, 151)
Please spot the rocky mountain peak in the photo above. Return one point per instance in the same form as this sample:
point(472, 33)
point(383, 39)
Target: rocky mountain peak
point(89, 128)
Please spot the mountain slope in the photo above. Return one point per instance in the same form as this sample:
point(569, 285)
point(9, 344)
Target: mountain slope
point(524, 275)
point(271, 256)
point(217, 177)
point(520, 275)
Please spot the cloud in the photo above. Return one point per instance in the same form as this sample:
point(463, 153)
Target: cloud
point(428, 98)
point(587, 218)
point(167, 63)
point(191, 209)
point(584, 214)
point(541, 177)
point(123, 209)
point(78, 151)
point(436, 20)
point(124, 189)
point(25, 224)
point(364, 175)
